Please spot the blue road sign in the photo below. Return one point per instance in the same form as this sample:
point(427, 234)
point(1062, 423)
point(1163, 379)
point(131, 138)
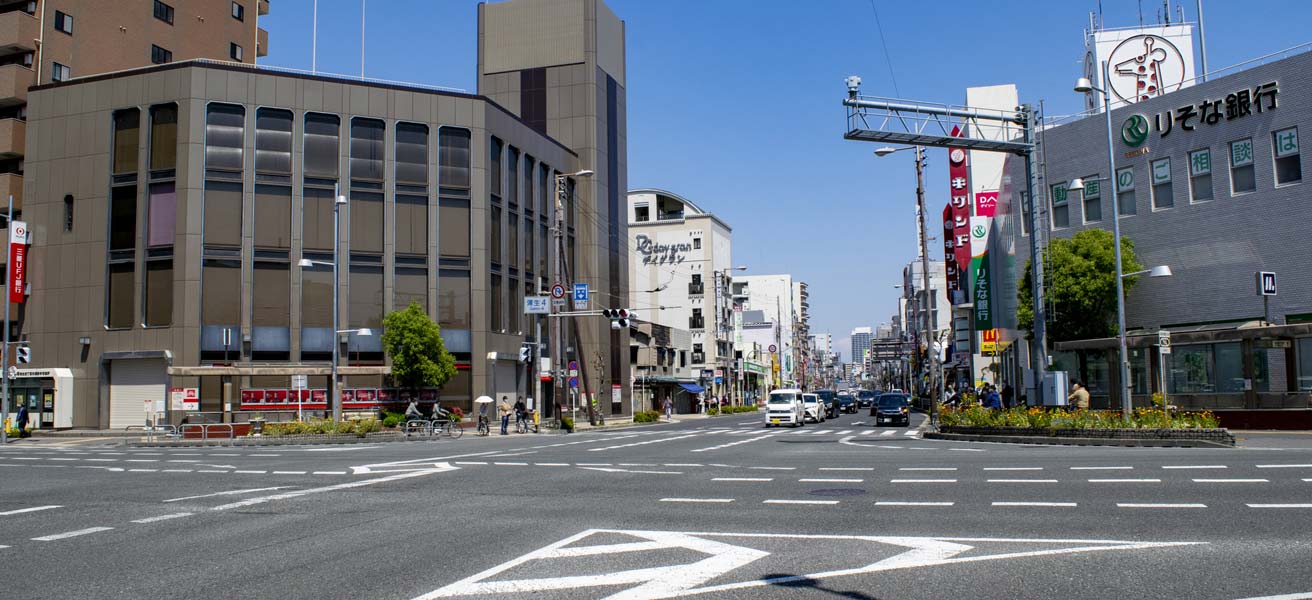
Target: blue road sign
point(580, 292)
point(573, 382)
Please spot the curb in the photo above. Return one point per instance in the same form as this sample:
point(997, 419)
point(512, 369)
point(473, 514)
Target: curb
point(1066, 441)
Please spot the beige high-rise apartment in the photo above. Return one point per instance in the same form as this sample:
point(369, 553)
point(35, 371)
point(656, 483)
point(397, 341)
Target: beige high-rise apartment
point(44, 41)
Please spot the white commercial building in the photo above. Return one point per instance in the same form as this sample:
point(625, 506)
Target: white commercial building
point(780, 300)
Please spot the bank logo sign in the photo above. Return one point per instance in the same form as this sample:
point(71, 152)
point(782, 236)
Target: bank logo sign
point(1135, 130)
point(1145, 66)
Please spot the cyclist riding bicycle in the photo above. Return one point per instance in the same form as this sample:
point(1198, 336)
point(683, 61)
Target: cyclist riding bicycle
point(521, 412)
point(412, 412)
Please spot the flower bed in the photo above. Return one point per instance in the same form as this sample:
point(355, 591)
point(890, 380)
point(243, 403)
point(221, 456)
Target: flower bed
point(1039, 418)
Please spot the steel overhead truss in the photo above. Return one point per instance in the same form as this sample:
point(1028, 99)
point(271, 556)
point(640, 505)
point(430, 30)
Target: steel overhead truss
point(892, 120)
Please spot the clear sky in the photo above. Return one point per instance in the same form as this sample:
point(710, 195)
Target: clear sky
point(735, 104)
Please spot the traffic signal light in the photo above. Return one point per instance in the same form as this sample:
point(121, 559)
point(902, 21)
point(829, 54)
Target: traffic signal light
point(24, 355)
point(526, 353)
point(619, 317)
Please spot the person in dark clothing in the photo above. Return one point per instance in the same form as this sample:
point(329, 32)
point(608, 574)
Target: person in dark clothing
point(21, 421)
point(521, 411)
point(992, 399)
point(1008, 395)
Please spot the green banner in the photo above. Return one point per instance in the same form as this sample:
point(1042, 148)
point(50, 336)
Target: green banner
point(983, 292)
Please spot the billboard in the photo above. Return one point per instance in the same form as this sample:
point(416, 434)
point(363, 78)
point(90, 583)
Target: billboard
point(1142, 62)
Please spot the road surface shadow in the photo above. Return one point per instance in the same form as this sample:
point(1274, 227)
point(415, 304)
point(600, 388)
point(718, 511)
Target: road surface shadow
point(800, 582)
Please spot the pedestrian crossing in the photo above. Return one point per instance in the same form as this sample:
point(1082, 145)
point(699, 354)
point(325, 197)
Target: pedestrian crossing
point(812, 431)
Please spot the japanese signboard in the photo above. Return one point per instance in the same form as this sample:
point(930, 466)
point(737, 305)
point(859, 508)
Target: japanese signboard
point(184, 398)
point(1235, 105)
point(959, 193)
point(981, 280)
point(537, 305)
point(949, 256)
point(17, 261)
point(986, 204)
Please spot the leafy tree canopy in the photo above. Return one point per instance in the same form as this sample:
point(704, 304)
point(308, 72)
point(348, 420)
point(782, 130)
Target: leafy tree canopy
point(1080, 278)
point(414, 343)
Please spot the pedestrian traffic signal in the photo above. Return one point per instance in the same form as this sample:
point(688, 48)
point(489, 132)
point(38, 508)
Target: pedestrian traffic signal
point(526, 353)
point(24, 355)
point(619, 317)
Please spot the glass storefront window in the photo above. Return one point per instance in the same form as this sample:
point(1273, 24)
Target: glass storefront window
point(1099, 369)
point(1229, 367)
point(1305, 365)
point(1191, 370)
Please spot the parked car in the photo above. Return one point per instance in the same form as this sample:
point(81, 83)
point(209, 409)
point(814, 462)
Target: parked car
point(814, 407)
point(830, 400)
point(893, 409)
point(847, 403)
point(784, 407)
point(866, 398)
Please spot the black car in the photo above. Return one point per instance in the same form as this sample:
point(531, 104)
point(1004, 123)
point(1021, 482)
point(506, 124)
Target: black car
point(847, 403)
point(866, 398)
point(830, 400)
point(892, 409)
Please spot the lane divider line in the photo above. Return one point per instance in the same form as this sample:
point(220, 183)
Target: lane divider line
point(821, 502)
point(1231, 481)
point(70, 534)
point(1125, 481)
point(1194, 466)
point(1158, 505)
point(755, 479)
point(829, 480)
point(163, 517)
point(29, 510)
point(1050, 504)
point(922, 481)
point(702, 500)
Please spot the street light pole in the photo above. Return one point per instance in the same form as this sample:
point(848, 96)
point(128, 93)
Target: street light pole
point(335, 395)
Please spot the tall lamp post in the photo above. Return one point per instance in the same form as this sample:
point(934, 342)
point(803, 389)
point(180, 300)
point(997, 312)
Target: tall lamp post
point(336, 397)
point(937, 371)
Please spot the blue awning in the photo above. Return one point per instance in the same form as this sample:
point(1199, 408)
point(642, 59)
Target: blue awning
point(692, 387)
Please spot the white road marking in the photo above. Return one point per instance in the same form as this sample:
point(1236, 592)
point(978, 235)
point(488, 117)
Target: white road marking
point(1194, 466)
point(867, 432)
point(847, 468)
point(655, 441)
point(469, 462)
point(1102, 468)
point(330, 472)
point(592, 464)
point(614, 470)
point(829, 480)
point(1284, 466)
point(439, 468)
point(886, 432)
point(1125, 481)
point(177, 470)
point(163, 517)
point(845, 432)
point(922, 481)
point(210, 471)
point(1231, 481)
point(927, 469)
point(142, 460)
point(251, 472)
point(227, 493)
point(142, 470)
point(70, 534)
point(705, 500)
point(762, 479)
point(28, 510)
point(1279, 506)
point(101, 459)
point(900, 503)
point(823, 502)
point(1051, 504)
point(1306, 596)
point(1022, 481)
point(1013, 468)
point(681, 465)
point(737, 443)
point(547, 464)
point(511, 464)
point(289, 472)
point(1158, 505)
point(774, 468)
point(912, 433)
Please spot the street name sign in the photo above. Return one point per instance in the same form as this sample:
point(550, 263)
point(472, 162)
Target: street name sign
point(537, 305)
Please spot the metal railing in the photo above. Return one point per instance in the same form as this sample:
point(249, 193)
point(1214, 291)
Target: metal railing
point(206, 428)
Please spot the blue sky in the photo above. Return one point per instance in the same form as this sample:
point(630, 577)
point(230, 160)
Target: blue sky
point(735, 104)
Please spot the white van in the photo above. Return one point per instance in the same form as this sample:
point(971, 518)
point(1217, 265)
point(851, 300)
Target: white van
point(784, 407)
point(813, 408)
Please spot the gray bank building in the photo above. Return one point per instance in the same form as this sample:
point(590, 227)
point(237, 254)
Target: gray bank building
point(182, 227)
point(1212, 184)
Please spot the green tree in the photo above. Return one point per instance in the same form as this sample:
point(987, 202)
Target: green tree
point(414, 343)
point(1080, 277)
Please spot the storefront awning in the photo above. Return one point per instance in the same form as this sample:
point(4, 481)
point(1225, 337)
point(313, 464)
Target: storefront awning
point(692, 388)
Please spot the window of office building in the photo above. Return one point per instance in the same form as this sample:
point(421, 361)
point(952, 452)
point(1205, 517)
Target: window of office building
point(1092, 199)
point(515, 306)
point(161, 223)
point(453, 157)
point(63, 22)
point(453, 299)
point(224, 128)
point(220, 301)
point(159, 55)
point(60, 72)
point(273, 141)
point(512, 241)
point(127, 133)
point(528, 247)
point(412, 154)
point(1243, 178)
point(273, 217)
point(162, 215)
point(68, 212)
point(1305, 365)
point(1162, 189)
point(1061, 216)
point(494, 235)
point(543, 254)
point(317, 218)
point(365, 293)
point(453, 227)
point(1200, 175)
point(271, 302)
point(512, 167)
point(234, 51)
point(238, 11)
point(321, 145)
point(547, 195)
point(494, 311)
point(159, 290)
point(123, 219)
point(366, 222)
point(696, 243)
point(411, 283)
point(494, 169)
point(1125, 196)
point(412, 224)
point(222, 225)
point(366, 149)
point(1024, 214)
point(163, 140)
point(317, 307)
point(530, 194)
point(1284, 143)
point(163, 12)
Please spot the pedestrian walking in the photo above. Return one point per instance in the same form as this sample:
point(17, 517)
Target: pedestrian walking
point(669, 409)
point(1079, 396)
point(21, 420)
point(504, 411)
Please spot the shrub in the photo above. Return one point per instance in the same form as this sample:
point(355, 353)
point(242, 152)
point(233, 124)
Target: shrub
point(646, 416)
point(567, 423)
point(323, 426)
point(1035, 417)
point(391, 421)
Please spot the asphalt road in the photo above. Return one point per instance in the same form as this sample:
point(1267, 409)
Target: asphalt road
point(707, 508)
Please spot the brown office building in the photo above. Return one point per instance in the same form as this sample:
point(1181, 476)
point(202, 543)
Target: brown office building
point(172, 209)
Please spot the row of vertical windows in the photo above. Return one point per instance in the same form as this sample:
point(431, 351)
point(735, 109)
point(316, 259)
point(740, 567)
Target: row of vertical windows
point(1286, 162)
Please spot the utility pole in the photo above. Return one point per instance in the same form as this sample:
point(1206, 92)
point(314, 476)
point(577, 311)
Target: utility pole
point(4, 362)
point(559, 274)
point(930, 335)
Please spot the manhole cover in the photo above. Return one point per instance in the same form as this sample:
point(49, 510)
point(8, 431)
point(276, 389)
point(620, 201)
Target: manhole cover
point(837, 492)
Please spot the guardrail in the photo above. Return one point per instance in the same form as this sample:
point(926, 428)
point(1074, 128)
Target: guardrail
point(418, 428)
point(170, 431)
point(206, 428)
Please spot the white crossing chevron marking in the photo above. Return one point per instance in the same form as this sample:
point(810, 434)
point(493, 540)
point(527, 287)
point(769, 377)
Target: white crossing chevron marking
point(739, 442)
point(655, 441)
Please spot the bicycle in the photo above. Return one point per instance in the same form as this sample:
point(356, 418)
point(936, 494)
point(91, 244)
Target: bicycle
point(527, 423)
point(483, 428)
point(450, 428)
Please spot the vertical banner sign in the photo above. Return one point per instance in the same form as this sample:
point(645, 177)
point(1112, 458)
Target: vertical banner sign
point(982, 283)
point(17, 261)
point(959, 189)
point(949, 257)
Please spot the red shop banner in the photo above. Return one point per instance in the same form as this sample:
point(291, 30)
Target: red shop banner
point(986, 204)
point(959, 189)
point(17, 261)
point(949, 258)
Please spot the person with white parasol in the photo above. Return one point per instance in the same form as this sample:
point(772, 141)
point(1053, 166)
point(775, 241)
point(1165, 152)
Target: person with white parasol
point(483, 403)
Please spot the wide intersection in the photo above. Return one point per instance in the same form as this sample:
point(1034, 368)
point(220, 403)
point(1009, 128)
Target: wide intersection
point(713, 508)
